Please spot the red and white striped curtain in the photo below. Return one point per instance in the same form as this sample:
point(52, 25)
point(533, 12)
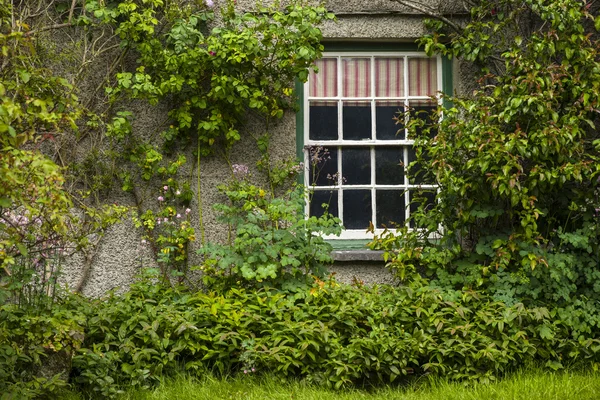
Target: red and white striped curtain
point(389, 77)
point(422, 76)
point(324, 83)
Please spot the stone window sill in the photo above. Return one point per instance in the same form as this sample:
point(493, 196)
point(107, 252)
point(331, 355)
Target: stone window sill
point(357, 255)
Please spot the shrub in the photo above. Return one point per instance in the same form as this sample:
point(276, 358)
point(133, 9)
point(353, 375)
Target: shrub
point(36, 347)
point(334, 335)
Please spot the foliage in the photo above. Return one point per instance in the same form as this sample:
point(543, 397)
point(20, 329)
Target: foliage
point(274, 244)
point(331, 334)
point(213, 79)
point(169, 230)
point(29, 339)
point(516, 160)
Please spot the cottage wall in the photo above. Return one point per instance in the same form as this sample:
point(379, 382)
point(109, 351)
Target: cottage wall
point(120, 255)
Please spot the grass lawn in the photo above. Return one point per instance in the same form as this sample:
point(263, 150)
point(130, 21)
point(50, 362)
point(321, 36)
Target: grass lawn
point(529, 385)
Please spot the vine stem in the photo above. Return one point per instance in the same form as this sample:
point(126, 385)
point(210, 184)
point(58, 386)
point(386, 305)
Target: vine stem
point(200, 216)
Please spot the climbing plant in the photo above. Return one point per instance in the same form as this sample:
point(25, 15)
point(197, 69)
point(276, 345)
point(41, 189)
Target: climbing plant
point(516, 159)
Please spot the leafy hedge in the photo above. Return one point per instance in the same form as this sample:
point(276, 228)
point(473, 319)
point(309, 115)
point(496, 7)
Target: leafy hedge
point(333, 334)
point(336, 335)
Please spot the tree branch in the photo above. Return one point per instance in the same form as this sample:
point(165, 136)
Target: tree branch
point(46, 28)
point(430, 12)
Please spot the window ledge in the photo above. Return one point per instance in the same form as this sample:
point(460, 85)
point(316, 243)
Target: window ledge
point(357, 255)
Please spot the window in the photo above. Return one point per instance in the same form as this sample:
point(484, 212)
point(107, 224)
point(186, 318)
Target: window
point(355, 151)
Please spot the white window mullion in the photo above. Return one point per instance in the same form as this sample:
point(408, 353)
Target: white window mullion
point(339, 96)
point(373, 184)
point(339, 183)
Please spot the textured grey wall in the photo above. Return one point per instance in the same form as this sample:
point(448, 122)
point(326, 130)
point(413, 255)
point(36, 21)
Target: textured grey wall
point(120, 254)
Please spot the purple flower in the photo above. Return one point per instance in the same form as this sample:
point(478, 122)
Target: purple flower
point(239, 170)
point(212, 53)
point(160, 198)
point(210, 3)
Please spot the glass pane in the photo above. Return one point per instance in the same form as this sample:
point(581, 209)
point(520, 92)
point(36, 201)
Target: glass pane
point(420, 197)
point(389, 168)
point(389, 77)
point(423, 109)
point(422, 76)
point(356, 77)
point(357, 209)
point(329, 198)
point(390, 208)
point(356, 120)
point(417, 175)
point(386, 126)
point(323, 120)
point(356, 166)
point(324, 83)
point(323, 165)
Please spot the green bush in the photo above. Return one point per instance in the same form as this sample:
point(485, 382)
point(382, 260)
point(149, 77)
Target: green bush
point(333, 335)
point(36, 348)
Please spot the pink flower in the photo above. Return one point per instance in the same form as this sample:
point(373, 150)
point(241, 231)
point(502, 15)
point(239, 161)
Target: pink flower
point(178, 216)
point(177, 193)
point(160, 198)
point(187, 211)
point(144, 241)
point(166, 188)
point(212, 53)
point(210, 3)
point(245, 371)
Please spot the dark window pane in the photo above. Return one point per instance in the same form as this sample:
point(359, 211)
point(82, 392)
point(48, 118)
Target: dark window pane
point(356, 166)
point(323, 120)
point(356, 117)
point(390, 208)
point(417, 175)
point(386, 127)
point(421, 197)
point(329, 198)
point(389, 165)
point(424, 111)
point(323, 165)
point(357, 209)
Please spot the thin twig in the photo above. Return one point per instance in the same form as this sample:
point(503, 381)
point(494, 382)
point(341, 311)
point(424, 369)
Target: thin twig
point(430, 12)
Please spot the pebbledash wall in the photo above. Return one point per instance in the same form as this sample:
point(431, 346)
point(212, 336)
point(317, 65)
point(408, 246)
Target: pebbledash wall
point(360, 23)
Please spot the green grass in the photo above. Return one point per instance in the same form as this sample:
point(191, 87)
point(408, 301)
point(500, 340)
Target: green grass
point(529, 385)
